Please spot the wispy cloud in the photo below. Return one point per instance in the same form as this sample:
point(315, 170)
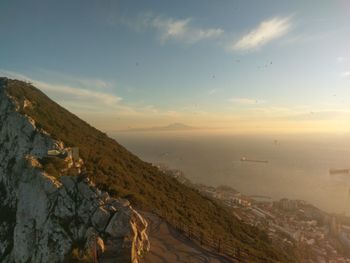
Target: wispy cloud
point(186, 31)
point(110, 112)
point(80, 81)
point(341, 59)
point(85, 100)
point(181, 30)
point(304, 38)
point(264, 33)
point(345, 74)
point(94, 83)
point(320, 115)
point(245, 101)
point(212, 91)
point(79, 96)
point(73, 93)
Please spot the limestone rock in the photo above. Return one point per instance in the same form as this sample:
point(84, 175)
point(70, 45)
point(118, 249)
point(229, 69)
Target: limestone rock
point(44, 217)
point(120, 225)
point(100, 218)
point(100, 245)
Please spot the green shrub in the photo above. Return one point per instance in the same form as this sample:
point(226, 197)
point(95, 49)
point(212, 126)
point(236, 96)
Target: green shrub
point(81, 256)
point(53, 165)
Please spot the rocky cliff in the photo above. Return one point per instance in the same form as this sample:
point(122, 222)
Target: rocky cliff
point(50, 160)
point(50, 217)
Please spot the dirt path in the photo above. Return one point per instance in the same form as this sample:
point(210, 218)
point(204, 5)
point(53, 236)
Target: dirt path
point(168, 246)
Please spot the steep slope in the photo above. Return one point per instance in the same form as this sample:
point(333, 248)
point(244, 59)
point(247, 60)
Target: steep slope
point(46, 218)
point(122, 174)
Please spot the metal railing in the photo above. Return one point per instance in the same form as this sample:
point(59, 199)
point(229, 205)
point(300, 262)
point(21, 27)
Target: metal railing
point(213, 243)
point(210, 243)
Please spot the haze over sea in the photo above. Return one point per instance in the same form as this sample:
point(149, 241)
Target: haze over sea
point(298, 165)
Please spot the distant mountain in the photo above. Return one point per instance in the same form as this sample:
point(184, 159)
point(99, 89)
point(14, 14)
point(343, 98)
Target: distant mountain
point(37, 221)
point(171, 127)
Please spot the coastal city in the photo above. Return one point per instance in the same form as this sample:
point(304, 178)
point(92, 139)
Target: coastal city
point(317, 236)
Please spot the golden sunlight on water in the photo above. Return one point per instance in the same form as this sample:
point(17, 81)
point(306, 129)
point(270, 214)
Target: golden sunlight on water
point(297, 166)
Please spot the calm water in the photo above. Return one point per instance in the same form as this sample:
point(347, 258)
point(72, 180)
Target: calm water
point(298, 166)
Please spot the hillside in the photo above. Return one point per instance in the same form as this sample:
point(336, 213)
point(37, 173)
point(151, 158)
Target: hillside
point(122, 174)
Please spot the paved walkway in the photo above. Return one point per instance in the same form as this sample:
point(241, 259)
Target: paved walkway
point(168, 246)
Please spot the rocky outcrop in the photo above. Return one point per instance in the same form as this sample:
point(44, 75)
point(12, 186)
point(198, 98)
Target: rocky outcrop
point(45, 218)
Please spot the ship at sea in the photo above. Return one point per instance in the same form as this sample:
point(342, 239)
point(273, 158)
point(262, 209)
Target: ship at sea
point(245, 159)
point(339, 171)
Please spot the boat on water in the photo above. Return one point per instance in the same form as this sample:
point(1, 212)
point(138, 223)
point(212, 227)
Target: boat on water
point(339, 171)
point(245, 159)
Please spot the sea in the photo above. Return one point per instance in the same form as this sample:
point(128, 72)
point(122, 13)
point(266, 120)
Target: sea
point(296, 166)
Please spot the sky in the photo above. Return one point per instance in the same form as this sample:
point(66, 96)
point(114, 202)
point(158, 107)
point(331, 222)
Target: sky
point(235, 65)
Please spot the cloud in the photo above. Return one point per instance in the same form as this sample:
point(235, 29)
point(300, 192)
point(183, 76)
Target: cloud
point(341, 59)
point(79, 97)
point(185, 31)
point(212, 91)
point(72, 93)
point(245, 101)
point(264, 33)
point(320, 115)
point(84, 100)
point(345, 74)
point(180, 30)
point(77, 81)
point(304, 38)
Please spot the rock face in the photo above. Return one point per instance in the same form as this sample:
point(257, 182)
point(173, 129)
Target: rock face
point(44, 218)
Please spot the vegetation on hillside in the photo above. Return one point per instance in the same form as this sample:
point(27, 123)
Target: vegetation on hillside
point(53, 165)
point(118, 171)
